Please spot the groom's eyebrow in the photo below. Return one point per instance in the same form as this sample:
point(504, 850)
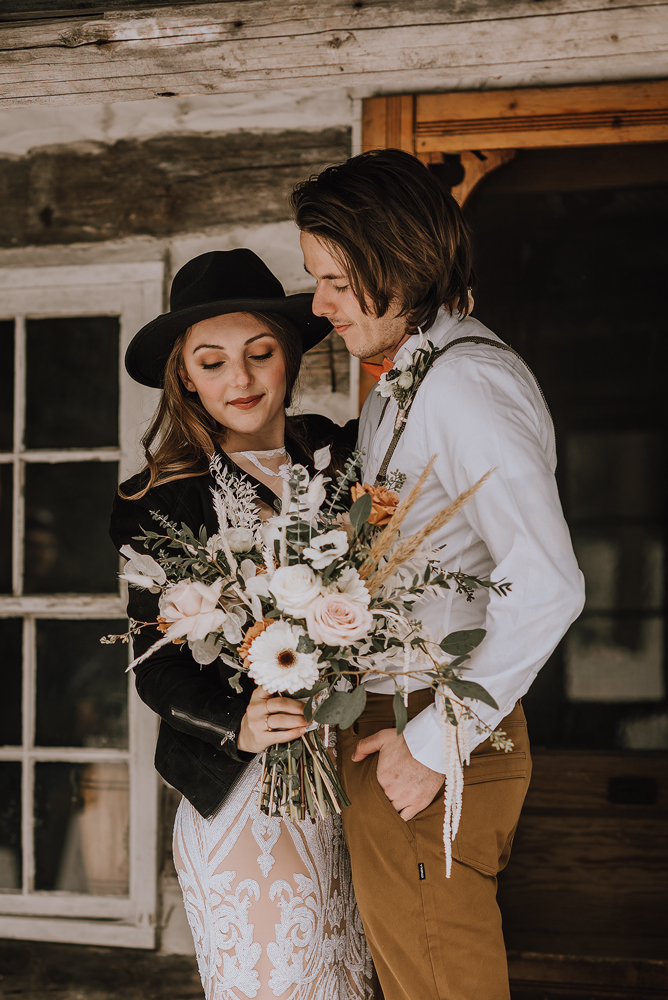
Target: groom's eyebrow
point(331, 277)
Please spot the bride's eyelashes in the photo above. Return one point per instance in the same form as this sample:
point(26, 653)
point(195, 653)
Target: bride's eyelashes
point(253, 357)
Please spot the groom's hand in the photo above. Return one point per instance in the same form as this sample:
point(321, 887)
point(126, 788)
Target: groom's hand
point(408, 784)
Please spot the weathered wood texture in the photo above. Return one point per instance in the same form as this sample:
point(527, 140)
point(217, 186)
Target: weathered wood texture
point(261, 44)
point(159, 187)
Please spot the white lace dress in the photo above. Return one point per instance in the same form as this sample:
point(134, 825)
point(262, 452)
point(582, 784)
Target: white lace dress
point(270, 903)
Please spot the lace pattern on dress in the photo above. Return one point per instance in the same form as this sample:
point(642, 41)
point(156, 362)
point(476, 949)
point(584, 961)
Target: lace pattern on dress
point(281, 923)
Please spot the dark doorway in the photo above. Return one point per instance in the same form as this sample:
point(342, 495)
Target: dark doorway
point(572, 262)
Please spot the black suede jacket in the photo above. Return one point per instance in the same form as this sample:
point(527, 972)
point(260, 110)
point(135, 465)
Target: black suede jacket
point(200, 713)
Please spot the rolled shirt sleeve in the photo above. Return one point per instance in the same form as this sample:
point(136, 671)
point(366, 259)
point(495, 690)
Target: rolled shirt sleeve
point(478, 414)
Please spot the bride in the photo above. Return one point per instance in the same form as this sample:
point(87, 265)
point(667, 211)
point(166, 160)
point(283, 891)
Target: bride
point(270, 903)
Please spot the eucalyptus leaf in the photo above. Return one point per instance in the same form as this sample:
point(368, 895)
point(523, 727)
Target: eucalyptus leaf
point(400, 712)
point(359, 512)
point(342, 707)
point(469, 689)
point(458, 643)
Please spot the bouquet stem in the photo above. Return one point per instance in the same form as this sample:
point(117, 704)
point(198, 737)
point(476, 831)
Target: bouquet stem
point(299, 779)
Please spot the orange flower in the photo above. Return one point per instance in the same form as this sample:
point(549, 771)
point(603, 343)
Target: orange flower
point(383, 502)
point(253, 632)
point(163, 625)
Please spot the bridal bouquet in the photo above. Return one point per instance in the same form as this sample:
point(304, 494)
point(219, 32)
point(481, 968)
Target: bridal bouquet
point(308, 604)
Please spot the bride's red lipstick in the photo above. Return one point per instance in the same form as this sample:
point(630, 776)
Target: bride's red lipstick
point(245, 402)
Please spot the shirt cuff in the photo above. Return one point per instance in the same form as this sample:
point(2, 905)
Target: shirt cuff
point(423, 739)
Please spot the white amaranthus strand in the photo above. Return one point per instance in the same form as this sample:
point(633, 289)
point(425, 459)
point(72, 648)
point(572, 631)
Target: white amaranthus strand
point(456, 753)
point(407, 666)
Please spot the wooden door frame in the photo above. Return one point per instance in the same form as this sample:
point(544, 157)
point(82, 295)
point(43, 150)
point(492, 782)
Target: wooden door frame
point(486, 128)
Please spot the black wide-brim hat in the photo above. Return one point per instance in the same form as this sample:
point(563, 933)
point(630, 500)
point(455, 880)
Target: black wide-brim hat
point(214, 284)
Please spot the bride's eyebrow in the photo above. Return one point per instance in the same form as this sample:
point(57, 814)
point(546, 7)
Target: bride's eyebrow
point(218, 347)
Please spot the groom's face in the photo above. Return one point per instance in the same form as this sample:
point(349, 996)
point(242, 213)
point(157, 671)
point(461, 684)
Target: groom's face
point(365, 334)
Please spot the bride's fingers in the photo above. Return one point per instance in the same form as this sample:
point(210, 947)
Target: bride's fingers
point(278, 720)
point(282, 736)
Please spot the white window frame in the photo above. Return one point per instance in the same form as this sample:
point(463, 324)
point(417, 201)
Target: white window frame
point(132, 292)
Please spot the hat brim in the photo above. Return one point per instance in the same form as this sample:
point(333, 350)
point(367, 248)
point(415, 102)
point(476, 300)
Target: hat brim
point(149, 350)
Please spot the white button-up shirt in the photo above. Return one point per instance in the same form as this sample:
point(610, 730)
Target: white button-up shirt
point(478, 409)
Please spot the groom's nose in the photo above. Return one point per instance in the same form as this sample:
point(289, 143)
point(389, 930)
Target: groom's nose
point(323, 300)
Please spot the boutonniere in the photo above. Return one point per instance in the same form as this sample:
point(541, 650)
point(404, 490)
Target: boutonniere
point(408, 373)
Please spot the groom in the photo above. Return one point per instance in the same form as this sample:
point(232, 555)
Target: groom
point(391, 252)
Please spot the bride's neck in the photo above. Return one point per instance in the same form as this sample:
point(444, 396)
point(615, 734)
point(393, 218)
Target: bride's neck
point(265, 439)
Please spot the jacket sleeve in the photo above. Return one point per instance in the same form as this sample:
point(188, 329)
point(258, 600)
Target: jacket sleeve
point(196, 700)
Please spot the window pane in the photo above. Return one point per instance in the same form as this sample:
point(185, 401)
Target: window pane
point(6, 504)
point(67, 546)
point(7, 384)
point(79, 356)
point(608, 660)
point(622, 566)
point(11, 647)
point(81, 685)
point(10, 825)
point(81, 828)
point(614, 475)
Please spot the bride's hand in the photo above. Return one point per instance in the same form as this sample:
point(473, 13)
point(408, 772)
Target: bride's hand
point(270, 719)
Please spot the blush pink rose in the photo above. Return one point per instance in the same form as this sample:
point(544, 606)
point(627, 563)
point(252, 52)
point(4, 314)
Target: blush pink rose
point(337, 621)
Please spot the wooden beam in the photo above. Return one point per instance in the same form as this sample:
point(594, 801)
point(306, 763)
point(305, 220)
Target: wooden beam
point(546, 116)
point(246, 45)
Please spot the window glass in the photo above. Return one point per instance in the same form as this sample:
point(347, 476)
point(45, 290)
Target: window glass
point(10, 825)
point(81, 828)
point(6, 503)
point(81, 684)
point(11, 649)
point(7, 385)
point(67, 547)
point(72, 382)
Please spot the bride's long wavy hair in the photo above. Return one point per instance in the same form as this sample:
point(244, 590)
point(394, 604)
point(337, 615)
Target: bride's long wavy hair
point(183, 434)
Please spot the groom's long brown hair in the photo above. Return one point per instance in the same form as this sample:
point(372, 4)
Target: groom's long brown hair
point(398, 233)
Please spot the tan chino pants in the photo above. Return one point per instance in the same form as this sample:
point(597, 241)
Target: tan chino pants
point(434, 938)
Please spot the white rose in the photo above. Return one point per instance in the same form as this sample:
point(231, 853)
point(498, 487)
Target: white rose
point(405, 380)
point(324, 549)
point(351, 584)
point(192, 609)
point(295, 588)
point(240, 539)
point(338, 621)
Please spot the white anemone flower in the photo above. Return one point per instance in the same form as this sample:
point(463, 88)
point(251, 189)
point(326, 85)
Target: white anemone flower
point(275, 663)
point(142, 571)
point(324, 549)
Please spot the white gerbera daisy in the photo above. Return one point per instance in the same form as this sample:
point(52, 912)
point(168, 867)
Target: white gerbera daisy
point(275, 663)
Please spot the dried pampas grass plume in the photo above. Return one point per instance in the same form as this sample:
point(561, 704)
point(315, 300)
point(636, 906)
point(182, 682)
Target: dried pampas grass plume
point(384, 541)
point(409, 547)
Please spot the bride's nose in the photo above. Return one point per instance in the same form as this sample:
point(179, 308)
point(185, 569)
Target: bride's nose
point(241, 375)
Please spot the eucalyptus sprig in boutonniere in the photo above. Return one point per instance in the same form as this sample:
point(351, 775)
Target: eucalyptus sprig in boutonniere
point(410, 369)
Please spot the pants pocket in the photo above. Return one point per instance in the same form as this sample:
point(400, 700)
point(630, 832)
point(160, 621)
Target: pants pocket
point(495, 785)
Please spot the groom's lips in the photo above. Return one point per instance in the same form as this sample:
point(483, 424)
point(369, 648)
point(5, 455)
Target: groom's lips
point(245, 402)
point(341, 327)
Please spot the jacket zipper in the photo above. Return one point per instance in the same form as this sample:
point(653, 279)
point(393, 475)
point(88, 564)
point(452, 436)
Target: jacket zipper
point(227, 734)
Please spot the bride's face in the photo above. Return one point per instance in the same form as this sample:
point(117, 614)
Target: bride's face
point(235, 365)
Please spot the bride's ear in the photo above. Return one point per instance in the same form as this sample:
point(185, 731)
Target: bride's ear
point(183, 375)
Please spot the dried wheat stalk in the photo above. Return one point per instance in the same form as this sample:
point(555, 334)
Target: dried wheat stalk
point(384, 541)
point(410, 546)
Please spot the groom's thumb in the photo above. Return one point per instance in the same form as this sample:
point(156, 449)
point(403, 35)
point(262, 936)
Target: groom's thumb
point(367, 746)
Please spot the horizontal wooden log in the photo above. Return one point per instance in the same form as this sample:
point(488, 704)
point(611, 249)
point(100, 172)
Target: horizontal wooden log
point(262, 44)
point(88, 192)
